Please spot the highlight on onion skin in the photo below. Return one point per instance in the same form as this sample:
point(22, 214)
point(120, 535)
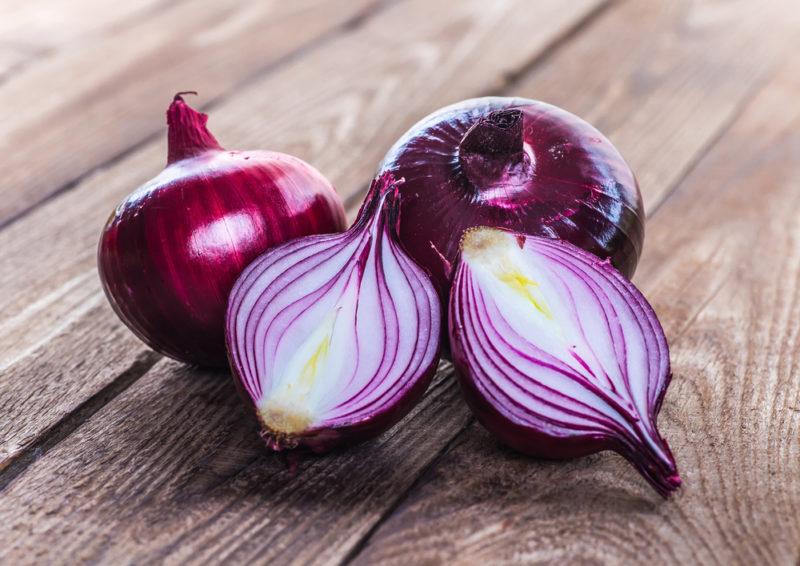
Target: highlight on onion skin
point(171, 251)
point(517, 164)
point(333, 339)
point(557, 353)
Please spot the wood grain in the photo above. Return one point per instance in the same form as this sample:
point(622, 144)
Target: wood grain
point(62, 128)
point(51, 302)
point(173, 472)
point(667, 78)
point(34, 30)
point(722, 269)
point(42, 26)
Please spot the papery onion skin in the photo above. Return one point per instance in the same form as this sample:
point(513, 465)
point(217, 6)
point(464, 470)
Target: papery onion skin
point(171, 251)
point(484, 348)
point(550, 174)
point(310, 318)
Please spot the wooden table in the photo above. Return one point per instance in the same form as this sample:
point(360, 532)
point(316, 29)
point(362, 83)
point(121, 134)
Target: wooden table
point(110, 453)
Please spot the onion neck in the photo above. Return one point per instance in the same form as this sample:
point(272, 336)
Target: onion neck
point(188, 135)
point(381, 206)
point(492, 152)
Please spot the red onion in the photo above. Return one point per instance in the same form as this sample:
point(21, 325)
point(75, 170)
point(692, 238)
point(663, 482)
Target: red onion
point(170, 252)
point(332, 339)
point(518, 164)
point(558, 354)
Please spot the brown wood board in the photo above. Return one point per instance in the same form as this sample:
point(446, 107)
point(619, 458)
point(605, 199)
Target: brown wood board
point(112, 455)
point(63, 128)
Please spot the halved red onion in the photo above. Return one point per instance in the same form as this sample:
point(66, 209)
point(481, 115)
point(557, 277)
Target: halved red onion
point(334, 338)
point(558, 354)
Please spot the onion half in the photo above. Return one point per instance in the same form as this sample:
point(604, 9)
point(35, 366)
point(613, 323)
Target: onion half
point(332, 339)
point(558, 354)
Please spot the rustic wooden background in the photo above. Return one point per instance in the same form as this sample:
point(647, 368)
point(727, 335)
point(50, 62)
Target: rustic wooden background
point(110, 453)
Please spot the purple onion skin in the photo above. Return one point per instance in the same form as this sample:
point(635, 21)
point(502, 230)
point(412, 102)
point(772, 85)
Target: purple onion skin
point(646, 450)
point(527, 440)
point(517, 164)
point(171, 251)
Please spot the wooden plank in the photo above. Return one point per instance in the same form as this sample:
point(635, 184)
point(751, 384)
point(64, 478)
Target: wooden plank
point(50, 303)
point(173, 472)
point(666, 78)
point(42, 25)
point(97, 481)
point(723, 271)
point(61, 127)
point(33, 30)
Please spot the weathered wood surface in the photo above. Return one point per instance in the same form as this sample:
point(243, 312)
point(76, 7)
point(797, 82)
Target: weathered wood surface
point(52, 310)
point(42, 26)
point(34, 30)
point(63, 128)
point(173, 470)
point(75, 364)
point(666, 78)
point(722, 269)
point(166, 467)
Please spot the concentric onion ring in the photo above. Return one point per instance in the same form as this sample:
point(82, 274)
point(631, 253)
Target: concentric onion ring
point(559, 355)
point(334, 338)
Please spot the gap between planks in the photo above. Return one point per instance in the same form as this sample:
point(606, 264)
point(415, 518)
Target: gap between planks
point(754, 89)
point(362, 542)
point(66, 426)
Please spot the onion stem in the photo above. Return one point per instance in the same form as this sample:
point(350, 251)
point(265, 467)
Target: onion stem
point(492, 151)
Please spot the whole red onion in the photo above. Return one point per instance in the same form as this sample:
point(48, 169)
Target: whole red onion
point(171, 251)
point(517, 164)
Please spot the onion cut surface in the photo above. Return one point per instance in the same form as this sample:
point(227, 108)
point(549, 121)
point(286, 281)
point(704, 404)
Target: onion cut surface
point(558, 354)
point(334, 338)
